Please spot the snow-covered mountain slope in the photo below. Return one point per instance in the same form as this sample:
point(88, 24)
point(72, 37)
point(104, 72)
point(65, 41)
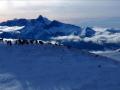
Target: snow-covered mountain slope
point(48, 67)
point(44, 31)
point(42, 28)
point(89, 38)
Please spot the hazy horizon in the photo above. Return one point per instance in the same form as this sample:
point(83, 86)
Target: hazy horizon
point(70, 11)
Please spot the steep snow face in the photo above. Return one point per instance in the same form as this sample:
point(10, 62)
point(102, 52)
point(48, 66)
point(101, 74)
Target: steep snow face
point(45, 30)
point(47, 67)
point(64, 29)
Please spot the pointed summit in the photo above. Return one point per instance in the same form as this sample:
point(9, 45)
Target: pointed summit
point(43, 20)
point(40, 17)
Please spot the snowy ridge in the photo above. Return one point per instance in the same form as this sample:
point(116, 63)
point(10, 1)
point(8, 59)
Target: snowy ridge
point(114, 54)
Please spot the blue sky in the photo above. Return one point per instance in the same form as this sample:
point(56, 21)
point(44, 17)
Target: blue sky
point(72, 11)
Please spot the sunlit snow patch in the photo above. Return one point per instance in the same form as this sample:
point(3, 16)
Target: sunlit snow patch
point(8, 29)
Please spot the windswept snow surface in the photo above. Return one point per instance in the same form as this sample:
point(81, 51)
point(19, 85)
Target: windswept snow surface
point(114, 54)
point(48, 67)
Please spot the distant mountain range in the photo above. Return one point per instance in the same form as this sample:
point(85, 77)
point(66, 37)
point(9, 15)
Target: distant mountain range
point(89, 38)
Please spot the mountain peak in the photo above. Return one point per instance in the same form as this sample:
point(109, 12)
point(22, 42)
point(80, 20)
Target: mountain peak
point(88, 32)
point(40, 17)
point(43, 20)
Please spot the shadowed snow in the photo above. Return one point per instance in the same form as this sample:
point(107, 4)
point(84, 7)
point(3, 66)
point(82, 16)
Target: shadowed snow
point(48, 67)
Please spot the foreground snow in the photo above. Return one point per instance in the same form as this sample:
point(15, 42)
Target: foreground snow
point(47, 67)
